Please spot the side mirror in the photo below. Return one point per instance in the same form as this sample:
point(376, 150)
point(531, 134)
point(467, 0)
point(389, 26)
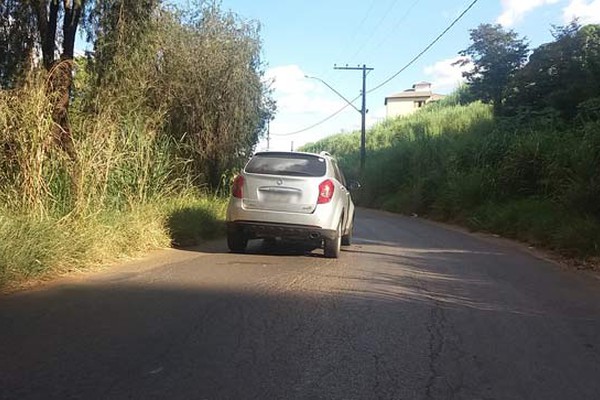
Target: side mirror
point(353, 185)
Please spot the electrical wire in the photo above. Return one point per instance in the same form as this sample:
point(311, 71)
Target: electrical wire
point(317, 123)
point(385, 15)
point(411, 62)
point(356, 29)
point(396, 24)
point(345, 45)
point(429, 46)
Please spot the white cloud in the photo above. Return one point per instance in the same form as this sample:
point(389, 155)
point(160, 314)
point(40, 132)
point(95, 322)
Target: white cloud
point(444, 76)
point(302, 102)
point(587, 11)
point(513, 11)
point(295, 93)
point(288, 79)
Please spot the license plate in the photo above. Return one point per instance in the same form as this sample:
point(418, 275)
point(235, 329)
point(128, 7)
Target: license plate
point(280, 198)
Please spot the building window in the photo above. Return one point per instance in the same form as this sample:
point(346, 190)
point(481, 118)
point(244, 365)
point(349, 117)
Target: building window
point(419, 103)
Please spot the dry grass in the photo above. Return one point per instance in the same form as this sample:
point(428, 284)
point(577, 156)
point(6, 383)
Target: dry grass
point(122, 195)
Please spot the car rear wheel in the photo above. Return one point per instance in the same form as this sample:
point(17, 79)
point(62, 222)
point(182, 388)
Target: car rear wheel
point(236, 241)
point(347, 238)
point(333, 246)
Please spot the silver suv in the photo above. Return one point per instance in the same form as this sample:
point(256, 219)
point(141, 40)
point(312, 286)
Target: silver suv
point(291, 195)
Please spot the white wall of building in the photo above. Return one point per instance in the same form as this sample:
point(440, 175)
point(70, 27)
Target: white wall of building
point(400, 106)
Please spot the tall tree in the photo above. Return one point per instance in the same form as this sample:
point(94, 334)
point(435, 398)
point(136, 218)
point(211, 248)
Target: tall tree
point(561, 74)
point(198, 67)
point(211, 83)
point(496, 55)
point(49, 14)
point(17, 40)
point(50, 26)
point(116, 28)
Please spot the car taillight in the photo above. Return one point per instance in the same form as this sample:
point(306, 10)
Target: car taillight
point(237, 187)
point(325, 192)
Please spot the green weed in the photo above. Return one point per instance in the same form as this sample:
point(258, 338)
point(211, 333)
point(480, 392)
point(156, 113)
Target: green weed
point(529, 179)
point(126, 192)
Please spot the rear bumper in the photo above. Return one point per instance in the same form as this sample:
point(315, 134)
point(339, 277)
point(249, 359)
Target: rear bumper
point(255, 230)
point(325, 216)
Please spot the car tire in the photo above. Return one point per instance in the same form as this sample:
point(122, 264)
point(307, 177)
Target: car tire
point(347, 239)
point(332, 247)
point(236, 241)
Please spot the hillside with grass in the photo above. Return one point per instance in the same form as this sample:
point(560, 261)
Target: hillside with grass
point(456, 163)
point(525, 168)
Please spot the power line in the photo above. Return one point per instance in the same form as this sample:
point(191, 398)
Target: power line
point(429, 46)
point(378, 25)
point(394, 25)
point(318, 123)
point(356, 29)
point(334, 90)
point(411, 62)
point(362, 21)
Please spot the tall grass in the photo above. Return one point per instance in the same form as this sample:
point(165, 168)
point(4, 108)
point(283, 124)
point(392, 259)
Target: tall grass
point(536, 180)
point(120, 195)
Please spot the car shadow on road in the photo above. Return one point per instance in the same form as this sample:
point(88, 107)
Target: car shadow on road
point(261, 247)
point(284, 248)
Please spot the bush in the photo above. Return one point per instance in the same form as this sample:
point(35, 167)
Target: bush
point(534, 180)
point(121, 196)
point(168, 100)
point(34, 247)
point(191, 220)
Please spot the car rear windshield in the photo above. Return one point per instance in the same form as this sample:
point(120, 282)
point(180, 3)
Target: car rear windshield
point(287, 164)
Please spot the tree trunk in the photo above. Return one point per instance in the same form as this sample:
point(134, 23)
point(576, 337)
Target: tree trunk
point(62, 78)
point(59, 88)
point(497, 104)
point(61, 71)
point(47, 19)
point(70, 24)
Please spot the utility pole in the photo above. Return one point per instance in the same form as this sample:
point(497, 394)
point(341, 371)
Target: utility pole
point(363, 111)
point(268, 133)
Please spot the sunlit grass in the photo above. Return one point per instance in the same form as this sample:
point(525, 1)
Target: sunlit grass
point(125, 193)
point(34, 246)
point(534, 180)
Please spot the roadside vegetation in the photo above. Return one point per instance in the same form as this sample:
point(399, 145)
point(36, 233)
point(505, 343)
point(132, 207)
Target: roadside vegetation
point(516, 154)
point(129, 147)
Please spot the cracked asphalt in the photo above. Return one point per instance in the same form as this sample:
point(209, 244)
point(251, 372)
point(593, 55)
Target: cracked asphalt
point(412, 310)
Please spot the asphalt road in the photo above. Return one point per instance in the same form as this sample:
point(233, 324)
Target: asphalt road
point(411, 310)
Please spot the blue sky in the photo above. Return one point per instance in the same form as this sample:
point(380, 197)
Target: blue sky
point(309, 37)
